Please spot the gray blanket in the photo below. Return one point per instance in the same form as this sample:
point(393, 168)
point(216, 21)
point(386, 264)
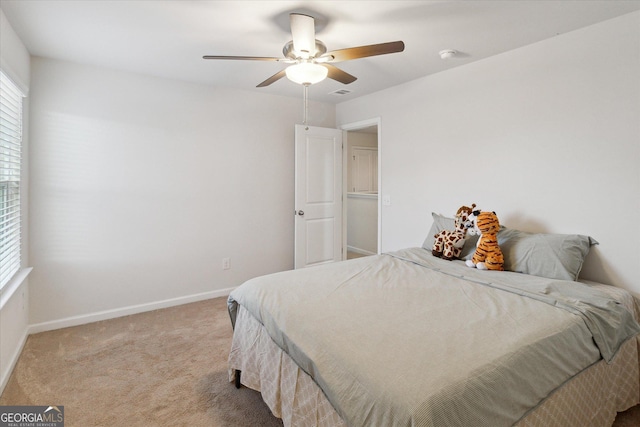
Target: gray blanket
point(406, 339)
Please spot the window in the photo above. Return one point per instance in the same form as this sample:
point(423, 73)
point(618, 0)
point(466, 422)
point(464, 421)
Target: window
point(10, 149)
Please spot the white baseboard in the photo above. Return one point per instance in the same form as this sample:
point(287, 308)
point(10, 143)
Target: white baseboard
point(124, 311)
point(4, 379)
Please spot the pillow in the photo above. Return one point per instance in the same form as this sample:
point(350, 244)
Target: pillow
point(444, 223)
point(555, 256)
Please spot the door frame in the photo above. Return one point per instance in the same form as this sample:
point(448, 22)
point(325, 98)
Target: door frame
point(346, 128)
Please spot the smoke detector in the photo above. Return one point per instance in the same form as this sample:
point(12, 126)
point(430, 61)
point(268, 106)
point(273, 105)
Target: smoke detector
point(447, 53)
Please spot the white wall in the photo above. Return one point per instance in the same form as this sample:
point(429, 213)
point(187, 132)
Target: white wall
point(14, 298)
point(141, 185)
point(548, 136)
point(362, 221)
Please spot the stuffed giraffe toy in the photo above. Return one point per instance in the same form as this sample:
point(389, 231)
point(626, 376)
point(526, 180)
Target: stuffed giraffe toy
point(448, 244)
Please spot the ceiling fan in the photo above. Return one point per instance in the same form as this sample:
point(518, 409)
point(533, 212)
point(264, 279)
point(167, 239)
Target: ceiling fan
point(309, 59)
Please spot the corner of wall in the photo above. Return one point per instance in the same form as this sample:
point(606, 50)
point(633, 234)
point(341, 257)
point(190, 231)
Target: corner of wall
point(14, 325)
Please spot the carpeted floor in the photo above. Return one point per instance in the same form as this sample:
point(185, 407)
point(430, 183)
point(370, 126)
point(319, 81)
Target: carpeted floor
point(162, 368)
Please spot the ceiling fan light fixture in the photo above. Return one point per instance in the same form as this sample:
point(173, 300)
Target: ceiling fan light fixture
point(306, 73)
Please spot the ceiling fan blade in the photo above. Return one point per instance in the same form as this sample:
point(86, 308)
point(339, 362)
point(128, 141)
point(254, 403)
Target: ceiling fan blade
point(277, 76)
point(337, 74)
point(249, 58)
point(304, 34)
point(364, 51)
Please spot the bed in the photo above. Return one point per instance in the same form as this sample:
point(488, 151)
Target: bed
point(408, 339)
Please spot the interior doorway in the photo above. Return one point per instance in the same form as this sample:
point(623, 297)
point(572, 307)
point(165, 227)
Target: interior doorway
point(361, 184)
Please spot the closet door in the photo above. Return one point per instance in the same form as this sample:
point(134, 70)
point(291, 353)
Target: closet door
point(364, 169)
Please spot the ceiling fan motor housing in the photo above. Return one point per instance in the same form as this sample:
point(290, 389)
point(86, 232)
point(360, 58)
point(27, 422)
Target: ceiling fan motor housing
point(289, 52)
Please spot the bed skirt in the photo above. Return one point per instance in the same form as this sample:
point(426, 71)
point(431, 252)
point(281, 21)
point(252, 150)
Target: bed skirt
point(591, 398)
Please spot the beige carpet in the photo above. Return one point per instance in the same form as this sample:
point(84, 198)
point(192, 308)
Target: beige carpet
point(162, 368)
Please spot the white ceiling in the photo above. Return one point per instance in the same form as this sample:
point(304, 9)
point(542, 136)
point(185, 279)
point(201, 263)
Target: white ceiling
point(168, 38)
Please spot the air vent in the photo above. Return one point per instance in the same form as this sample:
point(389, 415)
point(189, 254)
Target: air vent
point(340, 92)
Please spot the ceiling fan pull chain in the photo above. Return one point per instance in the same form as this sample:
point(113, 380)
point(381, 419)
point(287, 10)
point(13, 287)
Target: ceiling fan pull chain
point(306, 106)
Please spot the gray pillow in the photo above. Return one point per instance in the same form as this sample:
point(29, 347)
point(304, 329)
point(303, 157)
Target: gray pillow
point(556, 256)
point(445, 223)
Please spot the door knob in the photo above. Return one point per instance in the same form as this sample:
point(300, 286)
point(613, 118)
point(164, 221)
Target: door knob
point(301, 212)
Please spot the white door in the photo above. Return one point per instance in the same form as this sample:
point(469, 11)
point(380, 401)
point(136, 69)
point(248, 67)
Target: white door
point(318, 196)
point(364, 169)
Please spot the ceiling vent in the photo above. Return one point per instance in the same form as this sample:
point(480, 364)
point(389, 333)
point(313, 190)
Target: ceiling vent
point(340, 92)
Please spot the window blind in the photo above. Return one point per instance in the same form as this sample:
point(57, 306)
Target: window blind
point(10, 154)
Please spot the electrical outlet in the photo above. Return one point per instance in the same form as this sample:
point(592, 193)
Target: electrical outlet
point(226, 263)
point(386, 200)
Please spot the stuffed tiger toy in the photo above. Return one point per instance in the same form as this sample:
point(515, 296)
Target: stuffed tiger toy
point(488, 255)
point(448, 243)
